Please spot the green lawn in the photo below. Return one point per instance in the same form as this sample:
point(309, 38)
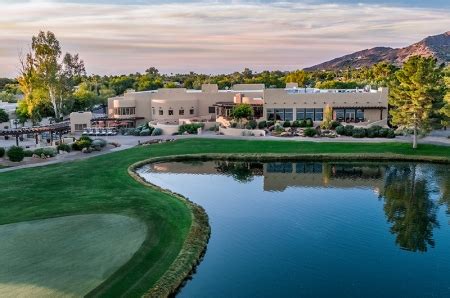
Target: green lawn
point(102, 185)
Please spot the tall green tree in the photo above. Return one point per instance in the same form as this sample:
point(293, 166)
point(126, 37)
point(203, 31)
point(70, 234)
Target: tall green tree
point(4, 117)
point(445, 110)
point(54, 74)
point(300, 77)
point(415, 92)
point(242, 111)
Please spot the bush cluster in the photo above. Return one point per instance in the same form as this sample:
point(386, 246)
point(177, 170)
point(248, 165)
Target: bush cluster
point(251, 124)
point(262, 124)
point(49, 152)
point(371, 132)
point(64, 147)
point(191, 128)
point(15, 154)
point(157, 132)
point(2, 152)
point(303, 123)
point(141, 130)
point(310, 132)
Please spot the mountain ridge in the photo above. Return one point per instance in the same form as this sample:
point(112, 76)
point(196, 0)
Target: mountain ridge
point(437, 46)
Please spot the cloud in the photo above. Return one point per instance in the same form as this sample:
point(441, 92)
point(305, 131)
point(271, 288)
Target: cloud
point(211, 36)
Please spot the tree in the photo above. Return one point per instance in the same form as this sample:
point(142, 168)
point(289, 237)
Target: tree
point(327, 117)
point(55, 76)
point(445, 110)
point(4, 117)
point(415, 92)
point(300, 77)
point(242, 111)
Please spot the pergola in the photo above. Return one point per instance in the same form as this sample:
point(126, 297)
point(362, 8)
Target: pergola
point(58, 128)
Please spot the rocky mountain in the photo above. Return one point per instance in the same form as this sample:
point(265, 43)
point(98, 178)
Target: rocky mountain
point(437, 46)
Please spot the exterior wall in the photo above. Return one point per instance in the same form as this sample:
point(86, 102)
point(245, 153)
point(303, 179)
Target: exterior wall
point(237, 132)
point(80, 118)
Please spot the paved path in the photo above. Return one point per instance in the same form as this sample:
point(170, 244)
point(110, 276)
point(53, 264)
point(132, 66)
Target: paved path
point(131, 141)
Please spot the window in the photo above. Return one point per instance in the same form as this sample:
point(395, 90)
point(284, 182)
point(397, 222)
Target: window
point(279, 114)
point(125, 111)
point(279, 167)
point(161, 112)
point(181, 112)
point(288, 115)
point(191, 111)
point(300, 114)
point(308, 168)
point(360, 115)
point(170, 112)
point(318, 114)
point(79, 127)
point(309, 114)
point(339, 114)
point(270, 114)
point(153, 111)
point(212, 110)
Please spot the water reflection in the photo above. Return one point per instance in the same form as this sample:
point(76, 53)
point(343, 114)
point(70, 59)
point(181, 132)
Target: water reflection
point(406, 189)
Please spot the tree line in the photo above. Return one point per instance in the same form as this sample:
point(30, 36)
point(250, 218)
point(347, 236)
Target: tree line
point(53, 84)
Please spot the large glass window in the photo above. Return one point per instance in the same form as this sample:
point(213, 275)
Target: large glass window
point(153, 111)
point(279, 167)
point(212, 110)
point(288, 115)
point(309, 114)
point(191, 111)
point(360, 115)
point(300, 114)
point(339, 114)
point(125, 111)
point(270, 114)
point(318, 114)
point(279, 114)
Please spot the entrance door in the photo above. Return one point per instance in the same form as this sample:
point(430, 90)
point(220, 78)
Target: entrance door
point(350, 116)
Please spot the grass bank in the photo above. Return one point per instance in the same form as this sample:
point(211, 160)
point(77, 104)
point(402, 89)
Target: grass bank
point(103, 185)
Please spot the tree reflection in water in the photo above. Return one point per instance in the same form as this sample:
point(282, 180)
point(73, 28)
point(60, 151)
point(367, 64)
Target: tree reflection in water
point(241, 171)
point(409, 208)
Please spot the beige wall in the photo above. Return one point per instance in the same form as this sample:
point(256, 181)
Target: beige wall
point(83, 118)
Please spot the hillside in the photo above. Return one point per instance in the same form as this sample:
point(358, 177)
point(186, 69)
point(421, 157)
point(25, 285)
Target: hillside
point(437, 46)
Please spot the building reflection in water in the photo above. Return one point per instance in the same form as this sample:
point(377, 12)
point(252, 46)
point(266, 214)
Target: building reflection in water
point(404, 188)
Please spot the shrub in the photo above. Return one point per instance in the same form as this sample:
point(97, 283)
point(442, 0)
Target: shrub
point(340, 130)
point(348, 130)
point(270, 123)
point(98, 143)
point(28, 153)
point(296, 123)
point(310, 132)
point(64, 147)
point(359, 133)
point(2, 152)
point(80, 144)
point(85, 138)
point(383, 132)
point(157, 132)
point(335, 124)
point(191, 128)
point(287, 124)
point(390, 134)
point(278, 128)
point(262, 124)
point(15, 154)
point(233, 125)
point(309, 123)
point(252, 124)
point(145, 132)
point(51, 152)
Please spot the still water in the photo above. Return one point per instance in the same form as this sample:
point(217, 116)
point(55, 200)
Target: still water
point(313, 229)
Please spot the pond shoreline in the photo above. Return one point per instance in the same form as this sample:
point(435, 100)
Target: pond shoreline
point(196, 242)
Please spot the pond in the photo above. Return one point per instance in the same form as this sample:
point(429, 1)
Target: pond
point(317, 229)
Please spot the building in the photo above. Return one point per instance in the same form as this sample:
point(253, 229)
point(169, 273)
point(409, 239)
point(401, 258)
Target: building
point(178, 105)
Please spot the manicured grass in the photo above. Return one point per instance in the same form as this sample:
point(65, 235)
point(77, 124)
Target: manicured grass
point(102, 185)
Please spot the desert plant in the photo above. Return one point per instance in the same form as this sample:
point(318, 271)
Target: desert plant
point(2, 152)
point(15, 154)
point(98, 143)
point(287, 124)
point(50, 152)
point(310, 132)
point(252, 124)
point(309, 123)
point(28, 153)
point(190, 128)
point(327, 118)
point(145, 132)
point(335, 124)
point(340, 130)
point(262, 124)
point(157, 132)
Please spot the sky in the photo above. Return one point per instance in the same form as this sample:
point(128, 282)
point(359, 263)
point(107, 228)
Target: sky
point(121, 37)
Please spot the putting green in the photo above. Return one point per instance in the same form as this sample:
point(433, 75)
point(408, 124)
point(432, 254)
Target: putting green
point(65, 256)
